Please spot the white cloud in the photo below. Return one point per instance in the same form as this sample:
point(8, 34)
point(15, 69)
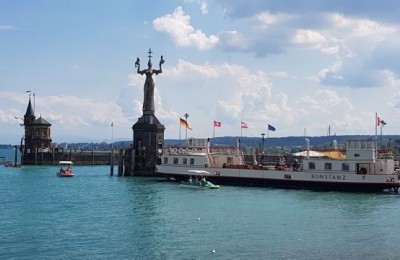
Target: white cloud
point(265, 20)
point(326, 102)
point(360, 44)
point(390, 79)
point(8, 116)
point(275, 50)
point(360, 27)
point(233, 40)
point(279, 74)
point(177, 25)
point(6, 27)
point(204, 7)
point(186, 68)
point(230, 92)
point(316, 40)
point(357, 42)
point(79, 111)
point(326, 108)
point(383, 11)
point(72, 117)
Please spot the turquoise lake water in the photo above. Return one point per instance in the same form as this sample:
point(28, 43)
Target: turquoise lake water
point(95, 216)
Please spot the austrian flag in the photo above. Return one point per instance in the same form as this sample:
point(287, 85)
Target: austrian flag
point(380, 121)
point(217, 123)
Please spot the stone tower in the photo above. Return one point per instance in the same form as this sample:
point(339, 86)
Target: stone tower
point(148, 132)
point(37, 132)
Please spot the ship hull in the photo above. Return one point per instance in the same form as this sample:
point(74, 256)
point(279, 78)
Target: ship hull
point(293, 180)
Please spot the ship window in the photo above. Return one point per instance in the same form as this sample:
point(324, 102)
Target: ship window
point(356, 155)
point(328, 166)
point(191, 161)
point(165, 160)
point(345, 167)
point(176, 160)
point(184, 160)
point(311, 165)
point(229, 160)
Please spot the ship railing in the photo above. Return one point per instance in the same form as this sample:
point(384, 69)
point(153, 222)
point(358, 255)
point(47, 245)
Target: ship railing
point(385, 156)
point(185, 151)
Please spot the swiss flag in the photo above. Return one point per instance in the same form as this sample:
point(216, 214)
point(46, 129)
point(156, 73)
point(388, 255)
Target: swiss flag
point(217, 123)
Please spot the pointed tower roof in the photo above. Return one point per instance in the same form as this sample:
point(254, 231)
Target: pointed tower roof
point(29, 110)
point(29, 116)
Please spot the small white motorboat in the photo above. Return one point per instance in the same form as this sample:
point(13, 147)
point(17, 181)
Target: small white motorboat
point(199, 180)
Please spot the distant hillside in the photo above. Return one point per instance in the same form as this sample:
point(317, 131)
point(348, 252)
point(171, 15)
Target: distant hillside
point(291, 141)
point(6, 146)
point(288, 142)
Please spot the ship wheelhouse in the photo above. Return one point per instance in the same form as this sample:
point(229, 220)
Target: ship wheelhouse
point(199, 153)
point(361, 158)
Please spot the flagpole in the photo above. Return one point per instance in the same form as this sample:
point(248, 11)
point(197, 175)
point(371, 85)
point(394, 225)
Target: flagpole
point(214, 130)
point(187, 123)
point(112, 150)
point(376, 125)
point(180, 127)
point(262, 143)
point(376, 135)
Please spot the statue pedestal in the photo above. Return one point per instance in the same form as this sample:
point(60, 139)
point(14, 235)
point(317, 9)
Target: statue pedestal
point(148, 143)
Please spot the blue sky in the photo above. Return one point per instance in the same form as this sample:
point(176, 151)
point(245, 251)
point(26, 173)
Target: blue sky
point(293, 64)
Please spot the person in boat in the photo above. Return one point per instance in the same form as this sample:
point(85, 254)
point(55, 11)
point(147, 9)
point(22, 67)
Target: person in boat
point(62, 170)
point(190, 179)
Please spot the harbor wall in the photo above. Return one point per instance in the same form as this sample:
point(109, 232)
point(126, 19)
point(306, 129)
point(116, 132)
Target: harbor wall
point(78, 157)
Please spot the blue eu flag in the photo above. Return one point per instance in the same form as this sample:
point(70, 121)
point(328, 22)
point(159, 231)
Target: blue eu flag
point(271, 128)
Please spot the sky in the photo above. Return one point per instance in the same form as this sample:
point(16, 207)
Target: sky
point(300, 66)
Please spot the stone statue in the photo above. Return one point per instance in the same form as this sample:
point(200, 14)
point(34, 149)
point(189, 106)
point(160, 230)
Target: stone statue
point(148, 101)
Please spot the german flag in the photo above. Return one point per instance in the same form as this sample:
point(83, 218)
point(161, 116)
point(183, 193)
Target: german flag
point(184, 123)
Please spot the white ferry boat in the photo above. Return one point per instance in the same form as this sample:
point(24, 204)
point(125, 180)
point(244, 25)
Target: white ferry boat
point(360, 168)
